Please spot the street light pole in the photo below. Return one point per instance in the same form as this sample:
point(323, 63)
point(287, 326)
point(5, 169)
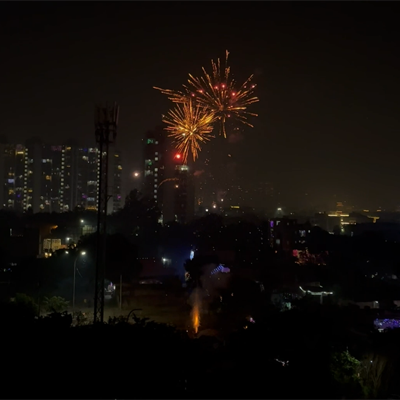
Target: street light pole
point(74, 282)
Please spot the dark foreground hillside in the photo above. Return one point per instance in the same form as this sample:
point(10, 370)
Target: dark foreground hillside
point(296, 354)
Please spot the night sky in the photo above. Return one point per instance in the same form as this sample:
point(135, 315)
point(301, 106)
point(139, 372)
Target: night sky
point(327, 76)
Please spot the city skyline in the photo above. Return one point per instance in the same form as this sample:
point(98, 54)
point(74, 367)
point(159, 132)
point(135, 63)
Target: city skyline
point(327, 121)
point(43, 177)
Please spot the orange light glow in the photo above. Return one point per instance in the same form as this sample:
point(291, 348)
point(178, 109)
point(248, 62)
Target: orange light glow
point(195, 314)
point(196, 318)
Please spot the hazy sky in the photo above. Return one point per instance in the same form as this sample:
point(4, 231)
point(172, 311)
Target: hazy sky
point(327, 75)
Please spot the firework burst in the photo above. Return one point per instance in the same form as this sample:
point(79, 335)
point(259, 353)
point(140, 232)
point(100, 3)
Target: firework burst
point(190, 126)
point(217, 93)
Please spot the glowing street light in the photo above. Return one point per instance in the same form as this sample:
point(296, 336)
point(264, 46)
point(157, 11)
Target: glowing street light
point(136, 174)
point(82, 221)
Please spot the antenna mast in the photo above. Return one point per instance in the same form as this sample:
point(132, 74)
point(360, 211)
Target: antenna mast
point(106, 122)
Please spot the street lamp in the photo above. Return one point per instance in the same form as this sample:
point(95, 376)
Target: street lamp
point(82, 253)
point(136, 174)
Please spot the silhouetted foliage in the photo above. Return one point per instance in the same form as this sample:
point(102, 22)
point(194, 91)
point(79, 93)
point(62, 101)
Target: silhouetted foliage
point(55, 304)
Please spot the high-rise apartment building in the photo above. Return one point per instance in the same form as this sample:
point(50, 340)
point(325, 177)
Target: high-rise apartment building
point(115, 181)
point(154, 165)
point(87, 177)
point(54, 178)
point(8, 168)
point(70, 177)
point(184, 193)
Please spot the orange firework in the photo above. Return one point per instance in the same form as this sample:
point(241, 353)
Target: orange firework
point(190, 126)
point(196, 312)
point(216, 93)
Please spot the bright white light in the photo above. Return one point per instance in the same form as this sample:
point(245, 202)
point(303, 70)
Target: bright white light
point(279, 209)
point(82, 221)
point(68, 239)
point(214, 206)
point(83, 253)
point(66, 252)
point(191, 254)
point(136, 174)
point(222, 199)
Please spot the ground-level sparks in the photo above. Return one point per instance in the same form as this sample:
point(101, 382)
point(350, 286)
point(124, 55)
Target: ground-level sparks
point(196, 318)
point(196, 311)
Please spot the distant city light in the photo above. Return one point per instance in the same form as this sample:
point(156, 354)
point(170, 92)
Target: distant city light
point(178, 156)
point(68, 239)
point(191, 254)
point(206, 209)
point(82, 221)
point(214, 206)
point(136, 174)
point(279, 209)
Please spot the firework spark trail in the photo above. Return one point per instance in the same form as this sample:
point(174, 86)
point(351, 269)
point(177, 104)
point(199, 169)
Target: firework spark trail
point(216, 93)
point(190, 127)
point(196, 312)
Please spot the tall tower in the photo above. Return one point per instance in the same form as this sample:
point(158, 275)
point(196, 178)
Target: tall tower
point(183, 192)
point(8, 173)
point(154, 165)
point(106, 122)
point(70, 175)
point(33, 199)
point(115, 181)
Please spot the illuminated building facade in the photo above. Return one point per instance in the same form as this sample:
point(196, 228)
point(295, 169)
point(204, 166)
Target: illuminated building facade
point(154, 165)
point(54, 178)
point(184, 192)
point(285, 234)
point(8, 176)
point(87, 177)
point(70, 175)
point(33, 176)
point(115, 182)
